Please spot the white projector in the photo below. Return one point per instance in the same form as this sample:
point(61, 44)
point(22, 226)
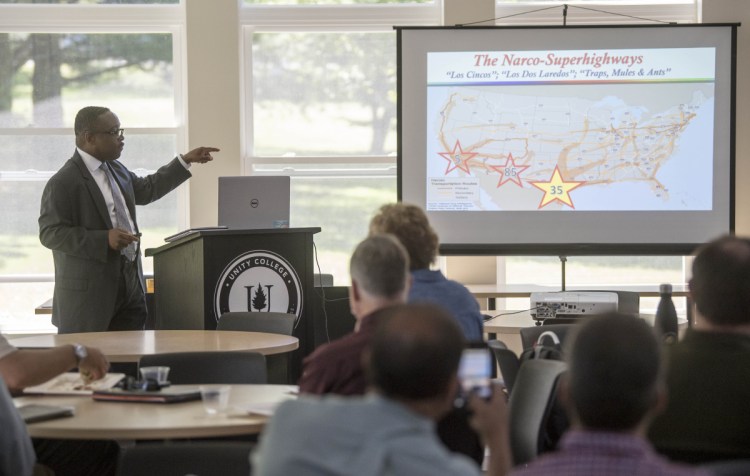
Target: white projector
point(572, 304)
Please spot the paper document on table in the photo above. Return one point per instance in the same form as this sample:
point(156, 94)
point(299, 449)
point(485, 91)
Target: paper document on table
point(267, 408)
point(72, 383)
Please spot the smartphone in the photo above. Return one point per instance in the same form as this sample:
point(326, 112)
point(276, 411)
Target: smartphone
point(475, 372)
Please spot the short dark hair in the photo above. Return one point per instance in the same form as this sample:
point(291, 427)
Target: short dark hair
point(412, 228)
point(86, 118)
point(380, 266)
point(720, 285)
point(415, 351)
point(614, 371)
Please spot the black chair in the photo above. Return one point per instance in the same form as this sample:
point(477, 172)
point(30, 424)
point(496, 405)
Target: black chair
point(734, 467)
point(530, 406)
point(273, 322)
point(507, 360)
point(193, 368)
point(180, 459)
point(529, 335)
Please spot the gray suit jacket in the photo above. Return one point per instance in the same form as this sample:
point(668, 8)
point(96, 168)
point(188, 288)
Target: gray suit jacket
point(74, 224)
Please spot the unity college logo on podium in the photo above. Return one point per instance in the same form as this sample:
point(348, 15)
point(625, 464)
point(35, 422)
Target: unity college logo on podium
point(258, 281)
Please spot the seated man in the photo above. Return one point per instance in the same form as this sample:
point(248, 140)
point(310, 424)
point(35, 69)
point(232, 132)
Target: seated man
point(613, 388)
point(708, 379)
point(21, 368)
point(412, 366)
point(379, 269)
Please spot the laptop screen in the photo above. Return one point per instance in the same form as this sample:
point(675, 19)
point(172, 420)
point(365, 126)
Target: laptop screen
point(254, 202)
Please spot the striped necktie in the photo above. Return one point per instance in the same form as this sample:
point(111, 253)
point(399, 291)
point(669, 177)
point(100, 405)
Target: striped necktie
point(121, 213)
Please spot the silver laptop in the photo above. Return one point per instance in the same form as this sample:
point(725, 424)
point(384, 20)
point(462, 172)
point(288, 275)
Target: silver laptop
point(253, 202)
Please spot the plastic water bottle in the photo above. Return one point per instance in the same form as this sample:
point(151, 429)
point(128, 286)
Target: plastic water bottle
point(666, 315)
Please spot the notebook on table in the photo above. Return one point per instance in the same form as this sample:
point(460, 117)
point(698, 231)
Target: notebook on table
point(35, 412)
point(254, 202)
point(165, 395)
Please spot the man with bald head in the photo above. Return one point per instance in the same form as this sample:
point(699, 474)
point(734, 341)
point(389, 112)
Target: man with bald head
point(379, 268)
point(707, 416)
point(412, 366)
point(88, 220)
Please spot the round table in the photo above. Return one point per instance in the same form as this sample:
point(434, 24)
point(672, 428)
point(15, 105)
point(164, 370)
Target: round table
point(129, 346)
point(103, 420)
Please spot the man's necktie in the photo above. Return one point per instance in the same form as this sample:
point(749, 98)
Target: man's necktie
point(121, 213)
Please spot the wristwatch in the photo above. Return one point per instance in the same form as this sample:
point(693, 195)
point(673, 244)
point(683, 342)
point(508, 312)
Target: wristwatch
point(80, 351)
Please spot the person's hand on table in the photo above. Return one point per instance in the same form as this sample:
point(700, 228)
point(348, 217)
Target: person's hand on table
point(94, 366)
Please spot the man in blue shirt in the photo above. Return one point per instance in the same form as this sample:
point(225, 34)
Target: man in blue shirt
point(412, 367)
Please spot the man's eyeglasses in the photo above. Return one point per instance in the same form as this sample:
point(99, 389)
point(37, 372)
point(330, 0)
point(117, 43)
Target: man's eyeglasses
point(113, 132)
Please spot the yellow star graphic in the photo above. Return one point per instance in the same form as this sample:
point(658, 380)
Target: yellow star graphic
point(556, 190)
point(458, 159)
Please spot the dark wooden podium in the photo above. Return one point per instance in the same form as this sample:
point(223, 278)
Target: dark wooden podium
point(209, 272)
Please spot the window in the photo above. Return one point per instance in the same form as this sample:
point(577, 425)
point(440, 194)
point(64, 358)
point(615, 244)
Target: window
point(324, 108)
point(334, 91)
point(47, 73)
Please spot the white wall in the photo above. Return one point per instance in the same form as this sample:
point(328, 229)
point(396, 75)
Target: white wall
point(738, 11)
point(213, 85)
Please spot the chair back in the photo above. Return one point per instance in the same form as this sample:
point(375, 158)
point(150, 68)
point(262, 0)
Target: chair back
point(733, 467)
point(507, 360)
point(194, 368)
point(529, 335)
point(179, 458)
point(273, 322)
point(529, 407)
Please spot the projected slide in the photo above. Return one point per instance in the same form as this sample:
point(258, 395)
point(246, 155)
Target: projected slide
point(573, 130)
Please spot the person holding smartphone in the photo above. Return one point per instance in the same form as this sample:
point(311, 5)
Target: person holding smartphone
point(475, 372)
point(412, 366)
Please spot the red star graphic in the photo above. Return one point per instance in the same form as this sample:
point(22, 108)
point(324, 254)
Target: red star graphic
point(458, 159)
point(510, 172)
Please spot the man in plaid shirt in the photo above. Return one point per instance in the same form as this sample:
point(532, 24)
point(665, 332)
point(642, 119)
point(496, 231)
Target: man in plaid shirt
point(614, 387)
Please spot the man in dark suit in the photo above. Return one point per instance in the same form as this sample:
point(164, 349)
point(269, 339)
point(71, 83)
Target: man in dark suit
point(88, 220)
